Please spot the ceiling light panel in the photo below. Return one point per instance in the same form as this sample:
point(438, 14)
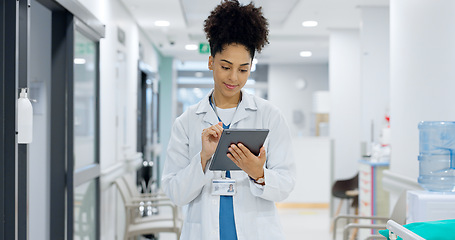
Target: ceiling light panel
point(191, 47)
point(162, 23)
point(309, 23)
point(306, 54)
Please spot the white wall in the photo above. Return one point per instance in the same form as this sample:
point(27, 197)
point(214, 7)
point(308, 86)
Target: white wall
point(375, 73)
point(312, 153)
point(283, 93)
point(313, 159)
point(114, 15)
point(422, 58)
point(345, 113)
point(118, 103)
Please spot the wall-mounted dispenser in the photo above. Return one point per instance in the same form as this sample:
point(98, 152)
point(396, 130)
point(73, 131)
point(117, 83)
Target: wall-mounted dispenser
point(24, 118)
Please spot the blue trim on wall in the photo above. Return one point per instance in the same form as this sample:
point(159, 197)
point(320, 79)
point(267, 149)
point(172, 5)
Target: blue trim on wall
point(165, 70)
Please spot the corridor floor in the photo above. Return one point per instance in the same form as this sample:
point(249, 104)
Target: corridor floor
point(303, 223)
point(298, 223)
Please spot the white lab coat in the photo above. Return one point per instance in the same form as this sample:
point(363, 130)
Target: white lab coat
point(254, 208)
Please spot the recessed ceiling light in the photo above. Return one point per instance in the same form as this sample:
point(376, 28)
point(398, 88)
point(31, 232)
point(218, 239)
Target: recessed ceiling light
point(309, 23)
point(191, 47)
point(162, 23)
point(306, 54)
point(79, 61)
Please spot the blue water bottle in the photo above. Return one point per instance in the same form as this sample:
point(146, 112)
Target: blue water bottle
point(436, 158)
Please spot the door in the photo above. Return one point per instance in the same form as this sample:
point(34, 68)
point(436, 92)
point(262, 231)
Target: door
point(64, 84)
point(86, 133)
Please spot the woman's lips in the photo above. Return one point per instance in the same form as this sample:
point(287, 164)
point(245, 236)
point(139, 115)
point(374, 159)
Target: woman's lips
point(230, 86)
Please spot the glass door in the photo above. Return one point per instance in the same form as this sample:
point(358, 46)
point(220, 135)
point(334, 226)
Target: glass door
point(86, 134)
point(145, 177)
point(63, 172)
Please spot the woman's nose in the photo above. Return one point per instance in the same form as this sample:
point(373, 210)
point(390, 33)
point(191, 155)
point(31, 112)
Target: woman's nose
point(233, 76)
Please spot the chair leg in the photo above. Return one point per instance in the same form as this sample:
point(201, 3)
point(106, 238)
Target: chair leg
point(356, 230)
point(339, 207)
point(336, 214)
point(354, 233)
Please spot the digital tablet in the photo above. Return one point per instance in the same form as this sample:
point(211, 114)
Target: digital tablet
point(253, 139)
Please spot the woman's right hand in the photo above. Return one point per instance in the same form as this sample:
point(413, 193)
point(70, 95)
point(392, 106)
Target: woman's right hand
point(210, 138)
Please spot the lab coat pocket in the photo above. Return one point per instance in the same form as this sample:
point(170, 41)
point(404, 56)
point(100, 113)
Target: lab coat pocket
point(269, 227)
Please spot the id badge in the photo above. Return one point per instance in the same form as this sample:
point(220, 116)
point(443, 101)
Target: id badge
point(223, 187)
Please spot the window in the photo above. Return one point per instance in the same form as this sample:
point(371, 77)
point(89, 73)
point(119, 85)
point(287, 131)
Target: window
point(85, 79)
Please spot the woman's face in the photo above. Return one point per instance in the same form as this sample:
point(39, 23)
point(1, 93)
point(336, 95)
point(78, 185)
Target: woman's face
point(231, 69)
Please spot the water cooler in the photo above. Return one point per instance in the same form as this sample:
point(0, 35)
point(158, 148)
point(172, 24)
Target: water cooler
point(436, 174)
point(429, 206)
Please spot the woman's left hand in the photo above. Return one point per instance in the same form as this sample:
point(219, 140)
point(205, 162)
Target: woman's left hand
point(247, 161)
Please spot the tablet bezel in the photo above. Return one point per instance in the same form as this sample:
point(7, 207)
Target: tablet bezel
point(253, 139)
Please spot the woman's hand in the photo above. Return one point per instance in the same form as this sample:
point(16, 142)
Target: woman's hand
point(247, 161)
point(210, 138)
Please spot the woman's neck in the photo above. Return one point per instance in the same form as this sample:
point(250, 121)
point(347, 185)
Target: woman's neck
point(226, 102)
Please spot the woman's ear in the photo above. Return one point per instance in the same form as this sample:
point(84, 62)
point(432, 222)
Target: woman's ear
point(210, 63)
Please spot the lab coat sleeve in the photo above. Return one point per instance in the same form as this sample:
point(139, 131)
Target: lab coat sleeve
point(279, 170)
point(183, 178)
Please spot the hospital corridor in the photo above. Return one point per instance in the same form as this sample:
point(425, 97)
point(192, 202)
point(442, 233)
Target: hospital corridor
point(227, 119)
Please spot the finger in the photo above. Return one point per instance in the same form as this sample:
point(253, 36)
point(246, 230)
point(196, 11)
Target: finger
point(236, 162)
point(218, 129)
point(262, 154)
point(212, 132)
point(206, 131)
point(239, 152)
point(245, 150)
point(234, 152)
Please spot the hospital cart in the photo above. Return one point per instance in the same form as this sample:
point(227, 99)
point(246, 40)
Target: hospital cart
point(396, 229)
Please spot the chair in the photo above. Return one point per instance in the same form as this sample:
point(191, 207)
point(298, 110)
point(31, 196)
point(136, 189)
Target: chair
point(398, 215)
point(346, 189)
point(136, 225)
point(145, 199)
point(144, 177)
point(84, 212)
point(138, 196)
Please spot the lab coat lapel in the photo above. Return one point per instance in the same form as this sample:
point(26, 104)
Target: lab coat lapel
point(205, 108)
point(245, 105)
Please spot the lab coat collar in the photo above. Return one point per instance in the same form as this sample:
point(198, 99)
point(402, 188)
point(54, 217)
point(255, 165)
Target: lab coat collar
point(247, 103)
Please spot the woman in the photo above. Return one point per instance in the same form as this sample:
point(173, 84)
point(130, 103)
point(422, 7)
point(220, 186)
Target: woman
point(234, 33)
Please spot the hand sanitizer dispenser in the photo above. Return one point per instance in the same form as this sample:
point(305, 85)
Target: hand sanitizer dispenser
point(24, 118)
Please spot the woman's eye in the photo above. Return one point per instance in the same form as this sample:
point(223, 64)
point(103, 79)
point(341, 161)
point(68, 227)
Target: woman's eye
point(243, 70)
point(225, 68)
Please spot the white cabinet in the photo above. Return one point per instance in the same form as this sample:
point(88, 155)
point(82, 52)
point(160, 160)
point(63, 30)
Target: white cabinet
point(373, 199)
point(312, 162)
point(429, 206)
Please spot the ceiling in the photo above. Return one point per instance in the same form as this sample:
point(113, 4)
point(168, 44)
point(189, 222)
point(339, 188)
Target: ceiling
point(287, 36)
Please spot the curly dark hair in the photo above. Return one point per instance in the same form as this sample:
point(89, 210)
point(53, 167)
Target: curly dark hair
point(231, 23)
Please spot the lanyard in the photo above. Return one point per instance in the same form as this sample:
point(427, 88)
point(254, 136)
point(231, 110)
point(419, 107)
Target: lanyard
point(213, 105)
point(224, 174)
